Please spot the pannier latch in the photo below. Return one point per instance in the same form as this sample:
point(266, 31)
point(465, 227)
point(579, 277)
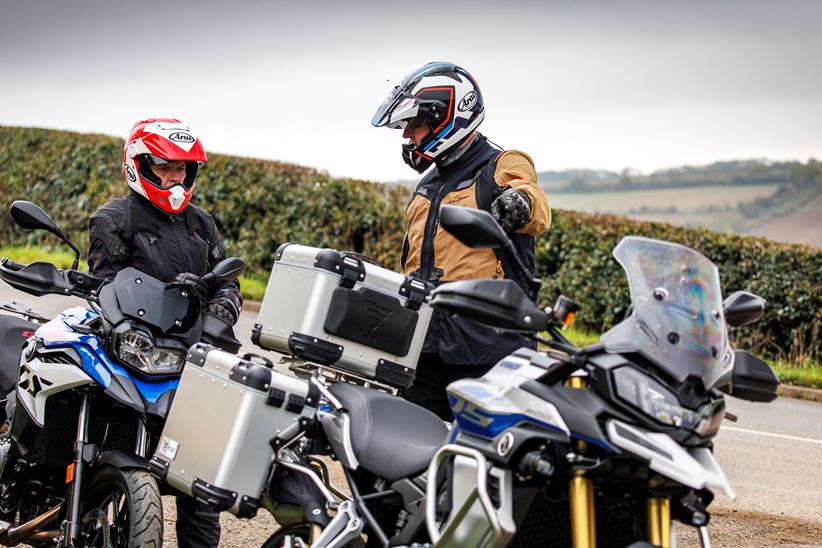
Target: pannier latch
point(350, 269)
point(352, 272)
point(416, 291)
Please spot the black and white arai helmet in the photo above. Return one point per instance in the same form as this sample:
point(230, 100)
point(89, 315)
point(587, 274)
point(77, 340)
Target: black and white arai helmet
point(442, 96)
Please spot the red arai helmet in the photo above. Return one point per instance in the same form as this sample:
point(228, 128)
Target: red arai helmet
point(158, 141)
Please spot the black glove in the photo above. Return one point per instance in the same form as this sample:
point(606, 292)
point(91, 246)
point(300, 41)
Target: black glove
point(511, 209)
point(195, 283)
point(224, 309)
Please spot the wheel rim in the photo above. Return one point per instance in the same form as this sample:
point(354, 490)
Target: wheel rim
point(106, 525)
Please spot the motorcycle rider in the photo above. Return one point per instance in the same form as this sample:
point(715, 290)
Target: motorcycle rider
point(439, 107)
point(157, 231)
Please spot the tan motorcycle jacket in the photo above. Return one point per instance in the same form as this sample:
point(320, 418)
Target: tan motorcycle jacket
point(475, 180)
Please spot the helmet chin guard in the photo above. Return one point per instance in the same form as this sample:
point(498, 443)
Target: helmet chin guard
point(411, 156)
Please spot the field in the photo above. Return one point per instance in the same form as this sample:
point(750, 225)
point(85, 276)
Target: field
point(804, 226)
point(712, 207)
point(685, 200)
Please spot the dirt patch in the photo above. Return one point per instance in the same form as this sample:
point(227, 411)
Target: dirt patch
point(731, 528)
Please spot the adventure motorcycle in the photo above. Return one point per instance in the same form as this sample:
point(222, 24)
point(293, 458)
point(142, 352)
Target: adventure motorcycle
point(88, 400)
point(607, 445)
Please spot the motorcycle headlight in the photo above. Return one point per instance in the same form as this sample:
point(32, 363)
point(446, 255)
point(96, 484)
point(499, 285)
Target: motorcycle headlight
point(139, 351)
point(656, 401)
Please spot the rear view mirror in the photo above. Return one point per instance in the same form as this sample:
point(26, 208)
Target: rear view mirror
point(31, 217)
point(752, 379)
point(478, 228)
point(743, 308)
point(227, 269)
point(472, 227)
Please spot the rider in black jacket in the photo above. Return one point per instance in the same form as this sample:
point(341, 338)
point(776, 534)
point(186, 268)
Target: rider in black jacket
point(157, 231)
point(130, 231)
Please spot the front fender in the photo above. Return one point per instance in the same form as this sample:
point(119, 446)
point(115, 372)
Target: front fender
point(121, 459)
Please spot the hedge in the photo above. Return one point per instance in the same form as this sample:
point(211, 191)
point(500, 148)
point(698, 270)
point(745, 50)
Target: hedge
point(260, 204)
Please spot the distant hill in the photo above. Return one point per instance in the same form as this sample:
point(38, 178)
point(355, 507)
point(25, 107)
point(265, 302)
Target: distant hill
point(735, 172)
point(727, 173)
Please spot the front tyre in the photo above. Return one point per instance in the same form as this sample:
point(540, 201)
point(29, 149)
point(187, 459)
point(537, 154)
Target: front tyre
point(121, 509)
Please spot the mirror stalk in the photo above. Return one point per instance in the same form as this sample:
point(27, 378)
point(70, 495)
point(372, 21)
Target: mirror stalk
point(532, 285)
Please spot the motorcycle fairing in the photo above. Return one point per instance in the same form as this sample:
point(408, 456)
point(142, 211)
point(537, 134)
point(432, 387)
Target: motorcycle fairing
point(14, 331)
point(487, 406)
point(39, 379)
point(118, 383)
point(697, 468)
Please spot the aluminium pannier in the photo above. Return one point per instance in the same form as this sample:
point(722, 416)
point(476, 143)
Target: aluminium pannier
point(338, 310)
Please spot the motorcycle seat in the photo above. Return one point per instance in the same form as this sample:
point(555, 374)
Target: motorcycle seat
point(14, 331)
point(391, 437)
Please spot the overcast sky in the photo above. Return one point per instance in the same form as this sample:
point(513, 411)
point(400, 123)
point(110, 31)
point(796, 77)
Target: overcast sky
point(576, 84)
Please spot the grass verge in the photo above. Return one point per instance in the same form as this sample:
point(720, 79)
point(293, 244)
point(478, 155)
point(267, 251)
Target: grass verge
point(809, 376)
point(251, 287)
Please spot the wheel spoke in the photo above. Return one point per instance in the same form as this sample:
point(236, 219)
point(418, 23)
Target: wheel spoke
point(115, 507)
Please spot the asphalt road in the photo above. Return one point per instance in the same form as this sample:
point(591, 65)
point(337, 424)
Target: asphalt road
point(772, 455)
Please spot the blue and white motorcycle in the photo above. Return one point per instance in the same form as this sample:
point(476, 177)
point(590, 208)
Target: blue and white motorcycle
point(609, 445)
point(88, 397)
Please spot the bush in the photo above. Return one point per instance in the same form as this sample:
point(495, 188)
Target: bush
point(261, 204)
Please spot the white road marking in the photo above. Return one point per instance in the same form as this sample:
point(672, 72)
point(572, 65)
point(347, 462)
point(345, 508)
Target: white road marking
point(770, 434)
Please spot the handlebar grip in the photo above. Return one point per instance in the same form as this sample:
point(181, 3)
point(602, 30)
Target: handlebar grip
point(11, 265)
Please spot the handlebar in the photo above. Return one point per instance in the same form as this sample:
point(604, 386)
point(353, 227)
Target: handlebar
point(11, 265)
point(42, 278)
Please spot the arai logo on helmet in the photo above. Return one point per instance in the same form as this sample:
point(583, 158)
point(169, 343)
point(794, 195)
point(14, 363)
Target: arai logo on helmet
point(180, 137)
point(130, 173)
point(468, 102)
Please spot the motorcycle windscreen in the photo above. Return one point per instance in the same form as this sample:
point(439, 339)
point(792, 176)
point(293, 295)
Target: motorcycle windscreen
point(168, 307)
point(677, 320)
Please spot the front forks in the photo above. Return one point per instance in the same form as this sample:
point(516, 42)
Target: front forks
point(583, 512)
point(658, 521)
point(72, 526)
point(581, 495)
point(583, 509)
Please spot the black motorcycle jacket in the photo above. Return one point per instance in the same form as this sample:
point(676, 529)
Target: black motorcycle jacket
point(132, 232)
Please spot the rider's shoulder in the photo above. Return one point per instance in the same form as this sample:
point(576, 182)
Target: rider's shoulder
point(114, 208)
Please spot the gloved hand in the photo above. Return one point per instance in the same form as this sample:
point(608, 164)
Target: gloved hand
point(224, 309)
point(195, 283)
point(511, 209)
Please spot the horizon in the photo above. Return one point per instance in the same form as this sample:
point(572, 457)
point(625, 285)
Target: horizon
point(764, 161)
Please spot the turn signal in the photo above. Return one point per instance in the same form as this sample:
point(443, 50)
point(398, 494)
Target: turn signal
point(565, 310)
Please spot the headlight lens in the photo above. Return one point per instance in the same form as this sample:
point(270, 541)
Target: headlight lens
point(139, 351)
point(656, 401)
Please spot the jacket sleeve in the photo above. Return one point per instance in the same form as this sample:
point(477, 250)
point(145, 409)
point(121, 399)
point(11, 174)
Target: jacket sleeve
point(229, 291)
point(108, 251)
point(516, 170)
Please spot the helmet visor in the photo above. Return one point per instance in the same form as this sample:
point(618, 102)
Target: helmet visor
point(395, 111)
point(154, 160)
